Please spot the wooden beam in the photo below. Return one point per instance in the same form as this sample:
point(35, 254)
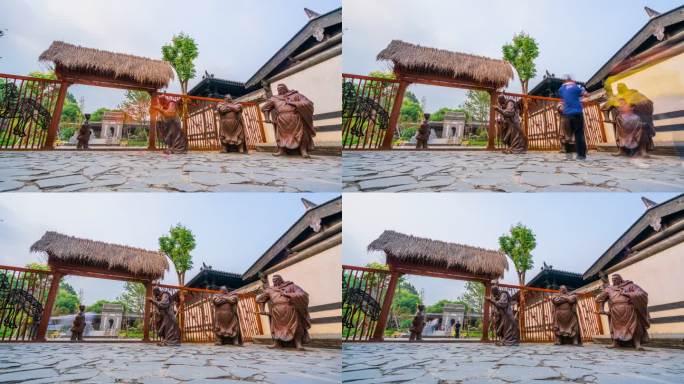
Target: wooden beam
point(147, 313)
point(435, 271)
point(56, 116)
point(152, 134)
point(98, 273)
point(100, 81)
point(47, 310)
point(394, 116)
point(491, 130)
point(486, 312)
point(380, 326)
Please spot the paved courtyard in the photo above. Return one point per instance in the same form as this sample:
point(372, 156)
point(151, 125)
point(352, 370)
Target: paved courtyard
point(470, 171)
point(147, 363)
point(141, 171)
point(486, 363)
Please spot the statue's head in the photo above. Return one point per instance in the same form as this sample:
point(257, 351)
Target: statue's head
point(617, 279)
point(624, 106)
point(622, 88)
point(282, 89)
point(495, 291)
point(156, 291)
point(563, 289)
point(421, 307)
point(501, 99)
point(81, 308)
point(426, 116)
point(87, 116)
point(223, 289)
point(228, 98)
point(277, 280)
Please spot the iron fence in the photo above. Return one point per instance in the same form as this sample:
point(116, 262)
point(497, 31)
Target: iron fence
point(363, 293)
point(23, 296)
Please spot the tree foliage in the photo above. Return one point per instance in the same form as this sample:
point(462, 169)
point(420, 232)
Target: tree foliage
point(438, 307)
point(66, 301)
point(133, 297)
point(177, 247)
point(521, 53)
point(518, 246)
point(98, 114)
point(473, 296)
point(136, 105)
point(181, 53)
point(476, 106)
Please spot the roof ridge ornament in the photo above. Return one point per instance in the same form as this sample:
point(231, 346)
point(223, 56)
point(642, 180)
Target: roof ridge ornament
point(312, 15)
point(648, 202)
point(651, 12)
point(308, 204)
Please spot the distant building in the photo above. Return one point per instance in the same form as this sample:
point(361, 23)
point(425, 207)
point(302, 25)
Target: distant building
point(549, 278)
point(549, 86)
point(209, 278)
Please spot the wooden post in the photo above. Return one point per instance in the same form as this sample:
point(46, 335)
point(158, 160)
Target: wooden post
point(56, 116)
point(148, 312)
point(485, 312)
point(394, 116)
point(152, 136)
point(379, 333)
point(491, 130)
point(47, 311)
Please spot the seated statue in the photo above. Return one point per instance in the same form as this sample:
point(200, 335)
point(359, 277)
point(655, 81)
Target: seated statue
point(83, 136)
point(628, 312)
point(292, 116)
point(168, 330)
point(417, 324)
point(79, 324)
point(171, 128)
point(565, 321)
point(226, 320)
point(289, 311)
point(507, 327)
point(232, 126)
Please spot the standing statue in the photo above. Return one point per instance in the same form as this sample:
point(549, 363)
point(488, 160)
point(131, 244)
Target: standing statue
point(292, 116)
point(418, 324)
point(167, 326)
point(79, 324)
point(628, 307)
point(423, 134)
point(565, 320)
point(227, 322)
point(507, 327)
point(171, 128)
point(513, 135)
point(83, 136)
point(632, 113)
point(289, 307)
point(232, 126)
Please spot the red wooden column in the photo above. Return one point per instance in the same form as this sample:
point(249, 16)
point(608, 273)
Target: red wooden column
point(491, 130)
point(486, 312)
point(56, 116)
point(152, 137)
point(379, 333)
point(147, 314)
point(47, 311)
point(394, 116)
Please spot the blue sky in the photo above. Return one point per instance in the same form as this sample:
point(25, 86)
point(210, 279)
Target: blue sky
point(235, 38)
point(231, 229)
point(575, 37)
point(572, 229)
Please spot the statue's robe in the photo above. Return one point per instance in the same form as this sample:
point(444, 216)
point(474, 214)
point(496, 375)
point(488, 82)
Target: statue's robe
point(417, 326)
point(232, 125)
point(227, 322)
point(565, 320)
point(171, 128)
point(83, 136)
point(289, 306)
point(508, 324)
point(567, 136)
point(78, 327)
point(631, 132)
point(292, 114)
point(513, 134)
point(168, 331)
point(628, 307)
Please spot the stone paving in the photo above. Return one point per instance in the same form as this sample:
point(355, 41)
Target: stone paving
point(141, 171)
point(470, 171)
point(146, 363)
point(445, 363)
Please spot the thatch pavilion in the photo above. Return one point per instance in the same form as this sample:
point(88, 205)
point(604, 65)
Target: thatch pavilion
point(69, 255)
point(415, 64)
point(406, 254)
point(88, 66)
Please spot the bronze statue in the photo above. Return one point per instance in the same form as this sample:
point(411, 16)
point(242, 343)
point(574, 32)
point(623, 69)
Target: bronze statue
point(417, 324)
point(423, 134)
point(78, 326)
point(289, 310)
point(169, 119)
point(512, 133)
point(232, 126)
point(628, 307)
point(507, 327)
point(565, 320)
point(83, 136)
point(167, 326)
point(226, 319)
point(632, 113)
point(292, 116)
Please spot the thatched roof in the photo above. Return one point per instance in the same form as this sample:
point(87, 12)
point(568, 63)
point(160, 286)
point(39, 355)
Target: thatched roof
point(109, 64)
point(490, 73)
point(423, 251)
point(74, 250)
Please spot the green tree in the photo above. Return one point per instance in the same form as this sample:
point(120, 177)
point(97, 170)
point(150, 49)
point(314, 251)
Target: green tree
point(521, 53)
point(518, 246)
point(98, 114)
point(96, 307)
point(439, 114)
point(405, 301)
point(389, 75)
point(438, 307)
point(136, 104)
point(473, 296)
point(476, 106)
point(66, 301)
point(177, 247)
point(38, 266)
point(410, 111)
point(180, 54)
point(133, 297)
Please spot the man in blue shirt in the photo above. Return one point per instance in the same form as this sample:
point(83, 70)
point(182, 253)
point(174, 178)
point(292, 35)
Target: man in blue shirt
point(571, 92)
